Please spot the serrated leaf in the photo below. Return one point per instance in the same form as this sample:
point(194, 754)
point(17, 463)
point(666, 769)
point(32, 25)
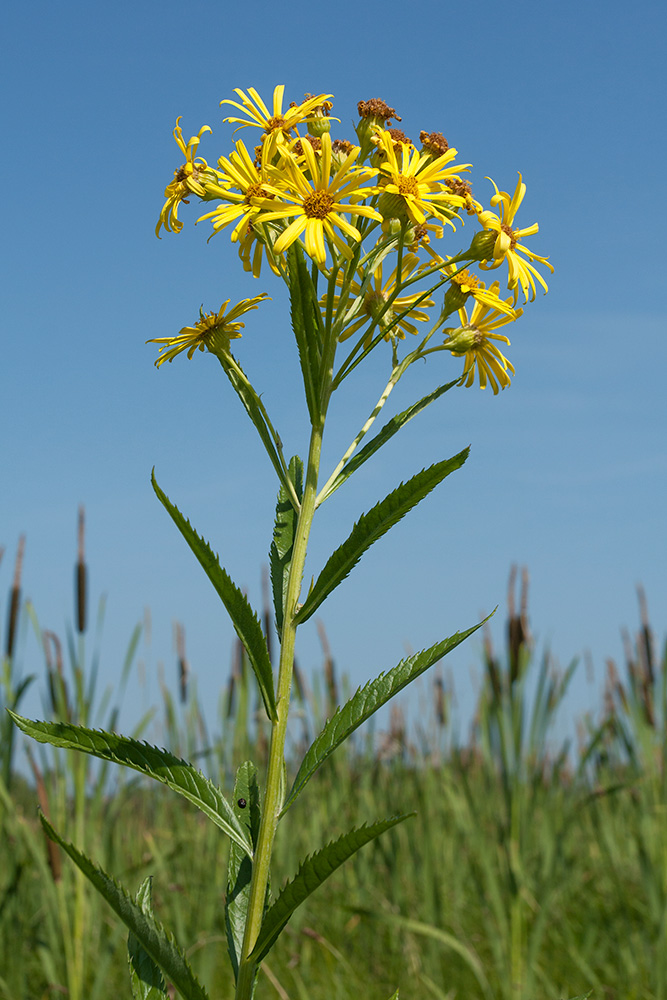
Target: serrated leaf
point(239, 867)
point(146, 979)
point(246, 623)
point(387, 432)
point(306, 323)
point(313, 871)
point(161, 765)
point(365, 702)
point(372, 526)
point(280, 554)
point(147, 930)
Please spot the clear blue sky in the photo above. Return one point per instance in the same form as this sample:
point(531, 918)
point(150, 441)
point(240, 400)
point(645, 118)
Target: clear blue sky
point(568, 469)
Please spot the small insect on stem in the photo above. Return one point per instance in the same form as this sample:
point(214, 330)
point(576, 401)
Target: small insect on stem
point(241, 803)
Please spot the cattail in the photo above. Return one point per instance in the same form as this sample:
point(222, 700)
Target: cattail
point(517, 624)
point(15, 599)
point(52, 850)
point(441, 712)
point(81, 574)
point(329, 670)
point(183, 665)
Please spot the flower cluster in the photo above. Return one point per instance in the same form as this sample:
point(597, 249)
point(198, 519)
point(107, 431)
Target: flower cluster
point(370, 212)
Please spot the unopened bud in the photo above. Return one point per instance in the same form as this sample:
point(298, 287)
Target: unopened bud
point(392, 206)
point(482, 245)
point(461, 340)
point(455, 298)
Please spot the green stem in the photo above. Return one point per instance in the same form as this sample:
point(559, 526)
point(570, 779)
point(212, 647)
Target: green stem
point(274, 779)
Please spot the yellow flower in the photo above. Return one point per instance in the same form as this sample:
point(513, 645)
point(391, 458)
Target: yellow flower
point(187, 180)
point(468, 284)
point(316, 199)
point(240, 172)
point(375, 300)
point(419, 182)
point(251, 249)
point(276, 126)
point(212, 331)
point(475, 339)
point(507, 246)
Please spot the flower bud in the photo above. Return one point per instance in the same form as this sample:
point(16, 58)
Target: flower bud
point(461, 340)
point(392, 206)
point(455, 298)
point(482, 245)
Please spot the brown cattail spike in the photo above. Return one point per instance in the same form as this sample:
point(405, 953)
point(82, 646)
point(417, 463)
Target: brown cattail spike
point(81, 574)
point(15, 599)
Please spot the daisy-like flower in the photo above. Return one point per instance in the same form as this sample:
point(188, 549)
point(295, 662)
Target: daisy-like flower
point(251, 251)
point(418, 182)
point(507, 246)
point(187, 180)
point(375, 300)
point(475, 340)
point(279, 125)
point(240, 172)
point(463, 283)
point(212, 331)
point(307, 190)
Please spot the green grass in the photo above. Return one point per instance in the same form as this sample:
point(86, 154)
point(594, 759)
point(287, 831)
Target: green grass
point(527, 873)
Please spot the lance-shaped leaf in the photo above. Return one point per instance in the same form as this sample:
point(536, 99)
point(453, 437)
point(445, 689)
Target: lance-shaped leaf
point(177, 774)
point(372, 526)
point(311, 874)
point(306, 323)
point(365, 702)
point(147, 930)
point(239, 866)
point(246, 623)
point(387, 432)
point(146, 979)
point(284, 531)
point(255, 409)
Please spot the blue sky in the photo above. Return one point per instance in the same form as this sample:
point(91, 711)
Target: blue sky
point(568, 468)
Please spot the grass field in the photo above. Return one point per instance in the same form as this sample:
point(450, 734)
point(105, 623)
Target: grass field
point(528, 872)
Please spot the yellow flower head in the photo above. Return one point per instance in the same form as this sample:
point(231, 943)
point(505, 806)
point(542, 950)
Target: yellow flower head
point(187, 180)
point(240, 172)
point(278, 126)
point(304, 188)
point(376, 297)
point(507, 246)
point(211, 332)
point(418, 182)
point(475, 341)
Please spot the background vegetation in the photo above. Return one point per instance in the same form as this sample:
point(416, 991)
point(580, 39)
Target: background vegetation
point(532, 869)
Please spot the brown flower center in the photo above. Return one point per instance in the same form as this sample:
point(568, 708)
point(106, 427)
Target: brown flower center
point(275, 124)
point(408, 186)
point(317, 204)
point(255, 191)
point(512, 235)
point(434, 142)
point(376, 108)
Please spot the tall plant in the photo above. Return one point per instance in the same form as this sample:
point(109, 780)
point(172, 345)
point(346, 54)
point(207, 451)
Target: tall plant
point(355, 230)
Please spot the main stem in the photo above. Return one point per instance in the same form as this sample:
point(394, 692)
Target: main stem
point(274, 779)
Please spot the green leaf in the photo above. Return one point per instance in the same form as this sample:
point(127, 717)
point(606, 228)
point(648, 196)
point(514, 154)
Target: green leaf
point(246, 623)
point(239, 867)
point(365, 702)
point(146, 979)
point(372, 526)
point(284, 531)
point(311, 874)
point(147, 930)
point(307, 324)
point(177, 774)
point(256, 411)
point(387, 432)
